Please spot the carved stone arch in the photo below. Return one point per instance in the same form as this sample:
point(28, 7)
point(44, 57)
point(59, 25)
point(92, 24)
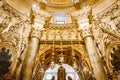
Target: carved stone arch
point(47, 47)
point(77, 48)
point(12, 53)
point(108, 56)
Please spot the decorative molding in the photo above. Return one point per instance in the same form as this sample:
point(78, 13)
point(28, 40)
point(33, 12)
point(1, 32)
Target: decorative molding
point(83, 17)
point(13, 33)
point(108, 57)
point(86, 32)
point(98, 38)
point(39, 18)
point(108, 11)
point(41, 13)
point(10, 21)
point(57, 35)
point(37, 33)
point(62, 26)
point(59, 41)
point(77, 47)
point(59, 6)
point(84, 12)
point(107, 28)
point(6, 7)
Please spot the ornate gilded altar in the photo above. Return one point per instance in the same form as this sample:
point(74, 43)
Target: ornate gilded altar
point(37, 34)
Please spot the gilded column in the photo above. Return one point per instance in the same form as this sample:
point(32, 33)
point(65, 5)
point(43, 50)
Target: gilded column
point(38, 19)
point(83, 18)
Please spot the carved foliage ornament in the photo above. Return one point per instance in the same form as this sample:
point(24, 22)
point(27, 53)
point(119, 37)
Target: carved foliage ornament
point(113, 57)
point(36, 33)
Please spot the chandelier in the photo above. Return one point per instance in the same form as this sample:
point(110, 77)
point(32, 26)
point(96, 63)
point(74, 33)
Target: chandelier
point(52, 63)
point(75, 65)
point(61, 56)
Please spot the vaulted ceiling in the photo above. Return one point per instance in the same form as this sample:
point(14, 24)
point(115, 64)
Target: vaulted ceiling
point(51, 6)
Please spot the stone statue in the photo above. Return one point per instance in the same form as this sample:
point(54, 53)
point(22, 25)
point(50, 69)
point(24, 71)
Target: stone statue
point(53, 78)
point(69, 78)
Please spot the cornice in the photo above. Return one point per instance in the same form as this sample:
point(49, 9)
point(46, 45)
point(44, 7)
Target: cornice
point(62, 26)
point(110, 32)
point(82, 12)
point(42, 13)
point(11, 10)
point(39, 17)
point(108, 11)
point(60, 6)
point(59, 42)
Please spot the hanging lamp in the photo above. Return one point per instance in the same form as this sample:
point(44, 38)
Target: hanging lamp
point(75, 66)
point(52, 63)
point(61, 60)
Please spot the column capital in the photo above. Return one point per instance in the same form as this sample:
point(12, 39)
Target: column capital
point(83, 17)
point(37, 11)
point(39, 18)
point(37, 33)
point(86, 32)
point(85, 12)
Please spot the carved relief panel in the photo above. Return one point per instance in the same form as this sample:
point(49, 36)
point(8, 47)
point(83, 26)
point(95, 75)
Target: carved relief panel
point(61, 35)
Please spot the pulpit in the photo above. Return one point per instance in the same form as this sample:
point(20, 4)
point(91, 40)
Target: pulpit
point(61, 73)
